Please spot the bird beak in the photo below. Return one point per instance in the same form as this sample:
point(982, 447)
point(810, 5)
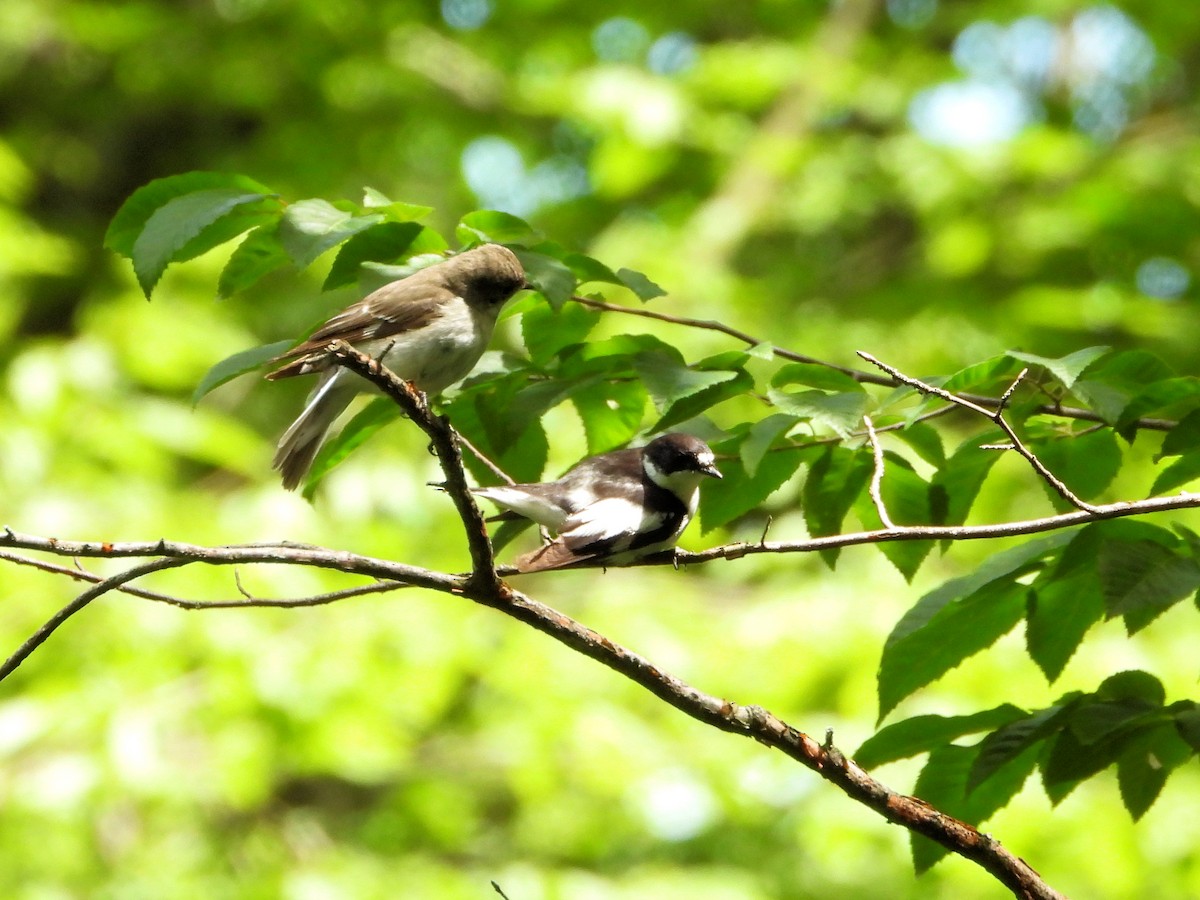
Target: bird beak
point(711, 469)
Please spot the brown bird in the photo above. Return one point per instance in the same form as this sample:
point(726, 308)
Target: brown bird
point(429, 328)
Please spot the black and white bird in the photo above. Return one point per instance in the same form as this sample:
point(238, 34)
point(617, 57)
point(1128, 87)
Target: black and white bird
point(615, 507)
point(429, 328)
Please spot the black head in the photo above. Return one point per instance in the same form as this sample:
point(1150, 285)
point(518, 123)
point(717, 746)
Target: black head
point(676, 453)
point(487, 275)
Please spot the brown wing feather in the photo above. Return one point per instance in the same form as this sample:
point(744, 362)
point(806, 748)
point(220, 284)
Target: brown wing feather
point(554, 555)
point(392, 309)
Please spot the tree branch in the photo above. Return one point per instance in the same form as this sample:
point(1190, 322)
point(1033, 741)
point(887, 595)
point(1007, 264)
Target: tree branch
point(1046, 409)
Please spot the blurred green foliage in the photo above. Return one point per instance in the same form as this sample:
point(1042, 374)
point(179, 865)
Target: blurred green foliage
point(799, 172)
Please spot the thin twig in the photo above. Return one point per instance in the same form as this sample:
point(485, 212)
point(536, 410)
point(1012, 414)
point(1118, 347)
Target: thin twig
point(39, 637)
point(484, 460)
point(995, 415)
point(1047, 409)
point(876, 488)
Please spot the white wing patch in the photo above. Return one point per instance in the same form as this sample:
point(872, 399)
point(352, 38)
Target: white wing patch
point(614, 519)
point(532, 506)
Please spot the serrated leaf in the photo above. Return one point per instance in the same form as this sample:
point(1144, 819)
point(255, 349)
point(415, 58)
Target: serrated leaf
point(1186, 715)
point(1145, 764)
point(492, 226)
point(1068, 762)
point(943, 784)
point(737, 383)
point(640, 284)
point(1183, 438)
point(1065, 368)
point(1180, 472)
point(834, 482)
point(1012, 740)
point(926, 441)
point(906, 497)
point(820, 377)
point(738, 492)
point(1085, 463)
point(395, 210)
point(546, 330)
point(954, 487)
point(310, 227)
point(238, 364)
point(384, 242)
point(1062, 609)
point(840, 413)
point(959, 628)
point(586, 269)
point(990, 375)
point(185, 227)
point(380, 412)
point(1111, 383)
point(1171, 397)
point(259, 254)
point(611, 413)
point(130, 220)
point(761, 437)
point(669, 380)
point(1143, 576)
point(921, 734)
point(550, 276)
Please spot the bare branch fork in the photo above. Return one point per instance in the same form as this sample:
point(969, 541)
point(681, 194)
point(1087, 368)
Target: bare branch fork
point(484, 585)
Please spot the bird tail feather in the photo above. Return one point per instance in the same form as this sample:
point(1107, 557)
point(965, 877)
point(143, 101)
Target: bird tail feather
point(300, 443)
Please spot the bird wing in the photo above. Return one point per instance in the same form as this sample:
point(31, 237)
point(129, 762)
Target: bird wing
point(393, 309)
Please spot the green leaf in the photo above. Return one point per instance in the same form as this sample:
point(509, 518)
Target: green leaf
point(310, 227)
point(1133, 684)
point(834, 481)
point(375, 415)
point(906, 497)
point(238, 364)
point(383, 242)
point(926, 441)
point(958, 628)
point(1012, 740)
point(611, 413)
point(1144, 576)
point(550, 276)
point(943, 783)
point(130, 220)
point(640, 284)
point(738, 492)
point(956, 484)
point(259, 254)
point(396, 211)
point(185, 227)
point(1069, 762)
point(587, 269)
point(1171, 397)
point(486, 226)
point(921, 734)
point(1180, 472)
point(840, 413)
point(1183, 438)
point(822, 378)
point(990, 376)
point(1065, 368)
point(761, 438)
point(546, 330)
point(973, 610)
point(1145, 764)
point(1062, 607)
point(735, 384)
point(1186, 715)
point(1086, 463)
point(1111, 383)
